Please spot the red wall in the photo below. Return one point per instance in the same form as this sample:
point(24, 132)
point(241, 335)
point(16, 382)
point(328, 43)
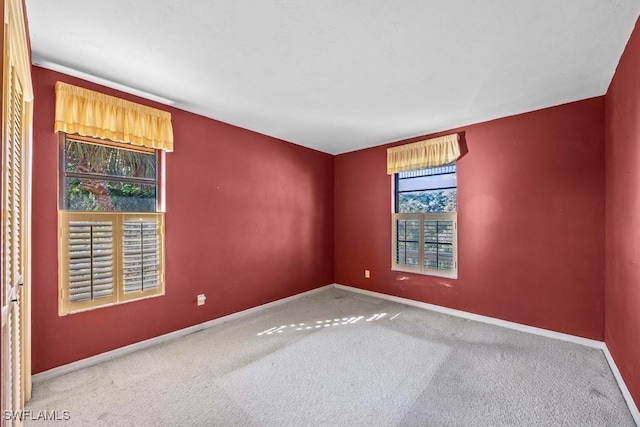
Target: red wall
point(249, 220)
point(530, 222)
point(622, 284)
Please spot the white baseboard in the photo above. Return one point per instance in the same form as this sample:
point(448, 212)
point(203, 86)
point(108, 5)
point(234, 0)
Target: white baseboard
point(479, 318)
point(623, 386)
point(93, 360)
point(519, 327)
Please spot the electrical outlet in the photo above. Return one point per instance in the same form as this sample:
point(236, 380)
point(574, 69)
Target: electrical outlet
point(367, 274)
point(201, 299)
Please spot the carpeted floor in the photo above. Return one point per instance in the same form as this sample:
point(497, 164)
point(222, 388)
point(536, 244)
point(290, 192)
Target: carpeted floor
point(336, 358)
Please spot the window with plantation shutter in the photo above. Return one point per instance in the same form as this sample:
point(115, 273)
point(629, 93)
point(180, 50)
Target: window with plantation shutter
point(425, 229)
point(112, 237)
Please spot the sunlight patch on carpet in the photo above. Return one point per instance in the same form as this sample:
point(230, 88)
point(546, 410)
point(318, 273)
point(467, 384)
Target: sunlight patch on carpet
point(275, 390)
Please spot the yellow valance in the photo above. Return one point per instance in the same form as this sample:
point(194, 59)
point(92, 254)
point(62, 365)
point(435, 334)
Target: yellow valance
point(423, 154)
point(97, 115)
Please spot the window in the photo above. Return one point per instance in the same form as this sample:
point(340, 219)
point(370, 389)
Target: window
point(108, 178)
point(111, 230)
point(424, 221)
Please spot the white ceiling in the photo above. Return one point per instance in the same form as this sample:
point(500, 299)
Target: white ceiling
point(340, 75)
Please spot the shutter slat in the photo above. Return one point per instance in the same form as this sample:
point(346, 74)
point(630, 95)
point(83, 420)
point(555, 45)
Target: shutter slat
point(81, 285)
point(80, 297)
point(84, 286)
point(80, 255)
point(80, 273)
point(102, 294)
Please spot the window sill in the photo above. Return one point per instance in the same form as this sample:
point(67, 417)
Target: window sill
point(434, 273)
point(111, 304)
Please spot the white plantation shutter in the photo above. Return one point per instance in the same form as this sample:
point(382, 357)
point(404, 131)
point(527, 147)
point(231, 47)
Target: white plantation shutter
point(88, 260)
point(438, 243)
point(109, 257)
point(91, 265)
point(141, 253)
point(407, 240)
point(425, 243)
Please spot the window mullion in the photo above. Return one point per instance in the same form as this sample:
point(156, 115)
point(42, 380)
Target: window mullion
point(118, 244)
point(141, 257)
point(396, 182)
point(404, 239)
point(421, 243)
point(438, 244)
point(102, 176)
point(91, 261)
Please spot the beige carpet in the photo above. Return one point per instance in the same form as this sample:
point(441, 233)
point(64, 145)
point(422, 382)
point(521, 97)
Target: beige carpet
point(337, 358)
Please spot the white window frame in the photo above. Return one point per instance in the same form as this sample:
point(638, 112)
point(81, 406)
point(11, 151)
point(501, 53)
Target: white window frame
point(422, 217)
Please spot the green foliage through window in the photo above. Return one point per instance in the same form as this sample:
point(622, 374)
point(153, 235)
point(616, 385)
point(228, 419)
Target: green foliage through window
point(427, 190)
point(108, 179)
point(427, 201)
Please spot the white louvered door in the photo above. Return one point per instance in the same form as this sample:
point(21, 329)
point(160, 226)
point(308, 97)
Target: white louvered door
point(13, 242)
point(16, 131)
